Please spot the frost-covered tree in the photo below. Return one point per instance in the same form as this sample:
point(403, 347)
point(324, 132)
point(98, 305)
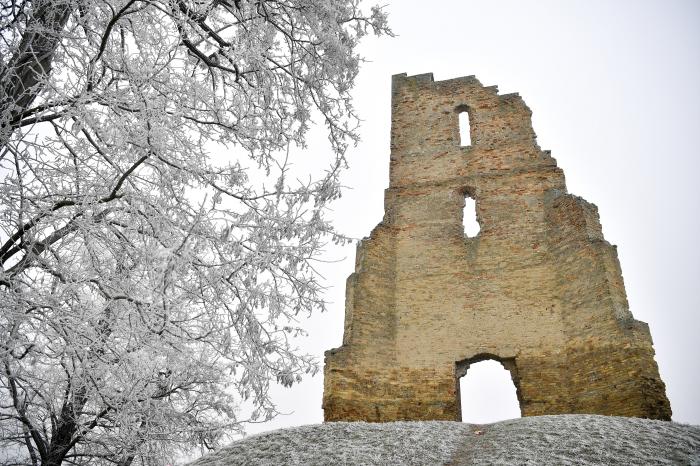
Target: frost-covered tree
point(148, 288)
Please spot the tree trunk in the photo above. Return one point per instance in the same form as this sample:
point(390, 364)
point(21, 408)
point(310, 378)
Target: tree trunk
point(25, 74)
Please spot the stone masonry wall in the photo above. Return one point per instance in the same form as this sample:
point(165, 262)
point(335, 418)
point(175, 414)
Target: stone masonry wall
point(538, 289)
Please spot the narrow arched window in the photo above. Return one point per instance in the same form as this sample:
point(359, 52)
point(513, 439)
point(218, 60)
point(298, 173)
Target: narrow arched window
point(465, 136)
point(469, 218)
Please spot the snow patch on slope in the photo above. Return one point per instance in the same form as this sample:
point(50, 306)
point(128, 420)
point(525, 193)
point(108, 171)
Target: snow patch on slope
point(564, 439)
point(582, 439)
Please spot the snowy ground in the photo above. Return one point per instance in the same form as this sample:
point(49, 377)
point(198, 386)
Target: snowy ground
point(556, 440)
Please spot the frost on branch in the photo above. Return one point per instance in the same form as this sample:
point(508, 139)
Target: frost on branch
point(147, 287)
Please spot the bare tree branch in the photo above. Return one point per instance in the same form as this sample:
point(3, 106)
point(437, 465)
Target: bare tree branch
point(157, 246)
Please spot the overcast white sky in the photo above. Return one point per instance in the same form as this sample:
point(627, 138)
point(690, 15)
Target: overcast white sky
point(614, 90)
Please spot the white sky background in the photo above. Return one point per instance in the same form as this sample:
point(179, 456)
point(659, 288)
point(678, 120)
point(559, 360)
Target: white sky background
point(614, 87)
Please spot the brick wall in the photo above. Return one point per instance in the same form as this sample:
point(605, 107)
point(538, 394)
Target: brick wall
point(538, 288)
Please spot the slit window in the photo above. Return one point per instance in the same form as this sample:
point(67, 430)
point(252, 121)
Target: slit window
point(469, 219)
point(465, 138)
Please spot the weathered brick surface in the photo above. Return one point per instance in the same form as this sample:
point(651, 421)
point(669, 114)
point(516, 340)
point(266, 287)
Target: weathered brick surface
point(538, 289)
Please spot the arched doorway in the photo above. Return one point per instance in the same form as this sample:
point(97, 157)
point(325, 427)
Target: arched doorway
point(487, 389)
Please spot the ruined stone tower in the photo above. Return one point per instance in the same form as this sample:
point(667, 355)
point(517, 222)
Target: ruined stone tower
point(538, 289)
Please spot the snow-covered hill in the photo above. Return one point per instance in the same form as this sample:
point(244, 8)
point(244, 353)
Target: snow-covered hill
point(556, 440)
